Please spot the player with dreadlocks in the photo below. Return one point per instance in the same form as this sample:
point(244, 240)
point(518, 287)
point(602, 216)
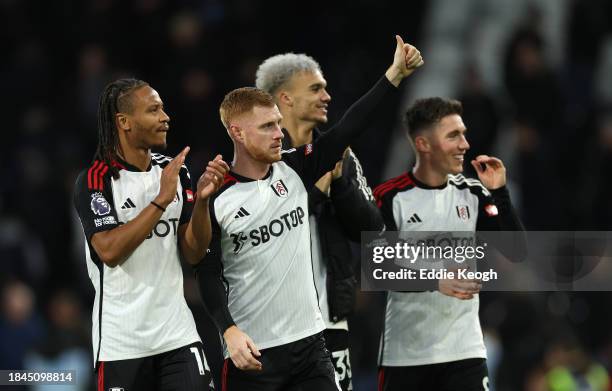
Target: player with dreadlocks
point(140, 216)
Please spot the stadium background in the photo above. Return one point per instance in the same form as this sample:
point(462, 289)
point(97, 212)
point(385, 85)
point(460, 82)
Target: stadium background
point(535, 78)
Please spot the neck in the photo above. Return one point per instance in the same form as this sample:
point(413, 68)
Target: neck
point(245, 165)
point(137, 157)
point(424, 172)
point(300, 131)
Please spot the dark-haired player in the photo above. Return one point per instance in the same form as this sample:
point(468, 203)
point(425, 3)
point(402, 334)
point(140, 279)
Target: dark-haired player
point(140, 217)
point(432, 340)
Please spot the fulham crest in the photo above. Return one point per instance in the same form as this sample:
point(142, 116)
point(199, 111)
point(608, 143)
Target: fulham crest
point(280, 189)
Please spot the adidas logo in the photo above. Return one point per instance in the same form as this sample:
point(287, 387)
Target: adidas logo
point(128, 204)
point(414, 219)
point(241, 213)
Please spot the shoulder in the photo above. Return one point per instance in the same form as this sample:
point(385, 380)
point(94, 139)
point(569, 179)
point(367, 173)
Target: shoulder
point(473, 185)
point(392, 186)
point(93, 178)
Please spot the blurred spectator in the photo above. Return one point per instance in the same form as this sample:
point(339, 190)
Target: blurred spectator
point(20, 325)
point(66, 344)
point(538, 115)
point(567, 367)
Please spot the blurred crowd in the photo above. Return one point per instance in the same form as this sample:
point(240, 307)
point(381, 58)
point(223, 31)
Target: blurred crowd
point(555, 117)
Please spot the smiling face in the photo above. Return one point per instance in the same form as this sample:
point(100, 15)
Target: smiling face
point(447, 145)
point(143, 119)
point(308, 97)
point(259, 131)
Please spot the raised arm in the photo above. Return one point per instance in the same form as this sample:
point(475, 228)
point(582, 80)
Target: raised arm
point(314, 160)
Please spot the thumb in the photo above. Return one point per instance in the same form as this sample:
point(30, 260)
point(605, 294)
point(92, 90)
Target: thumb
point(218, 157)
point(400, 42)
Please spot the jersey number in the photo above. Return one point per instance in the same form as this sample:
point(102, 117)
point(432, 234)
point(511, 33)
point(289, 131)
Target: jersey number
point(342, 364)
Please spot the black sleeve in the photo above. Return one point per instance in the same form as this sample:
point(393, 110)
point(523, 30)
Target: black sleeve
point(385, 204)
point(496, 213)
point(209, 275)
point(354, 202)
point(94, 205)
point(187, 196)
point(311, 161)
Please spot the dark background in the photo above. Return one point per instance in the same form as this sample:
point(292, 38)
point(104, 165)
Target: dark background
point(549, 111)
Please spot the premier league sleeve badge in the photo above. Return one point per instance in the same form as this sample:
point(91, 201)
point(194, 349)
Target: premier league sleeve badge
point(99, 205)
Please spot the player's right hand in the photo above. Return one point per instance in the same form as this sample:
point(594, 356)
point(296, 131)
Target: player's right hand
point(242, 349)
point(463, 289)
point(169, 179)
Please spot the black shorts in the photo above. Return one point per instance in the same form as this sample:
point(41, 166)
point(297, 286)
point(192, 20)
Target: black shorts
point(337, 341)
point(182, 369)
point(302, 365)
point(463, 375)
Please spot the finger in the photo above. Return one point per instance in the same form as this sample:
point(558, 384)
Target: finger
point(215, 172)
point(251, 345)
point(413, 63)
point(466, 296)
point(219, 165)
point(410, 51)
point(222, 163)
point(477, 166)
point(183, 153)
point(495, 162)
point(178, 161)
point(251, 362)
point(236, 362)
point(414, 54)
point(413, 59)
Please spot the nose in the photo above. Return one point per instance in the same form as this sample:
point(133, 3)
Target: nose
point(278, 133)
point(325, 97)
point(464, 143)
point(164, 117)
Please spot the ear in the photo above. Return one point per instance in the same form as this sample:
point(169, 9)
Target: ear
point(422, 144)
point(285, 99)
point(235, 133)
point(123, 122)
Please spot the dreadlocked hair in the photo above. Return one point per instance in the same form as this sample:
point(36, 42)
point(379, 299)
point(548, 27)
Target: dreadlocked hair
point(114, 99)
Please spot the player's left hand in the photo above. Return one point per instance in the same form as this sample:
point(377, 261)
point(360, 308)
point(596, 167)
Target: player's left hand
point(212, 178)
point(490, 170)
point(406, 60)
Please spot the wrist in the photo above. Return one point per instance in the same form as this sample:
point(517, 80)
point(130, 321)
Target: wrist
point(201, 202)
point(230, 329)
point(161, 202)
point(394, 76)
